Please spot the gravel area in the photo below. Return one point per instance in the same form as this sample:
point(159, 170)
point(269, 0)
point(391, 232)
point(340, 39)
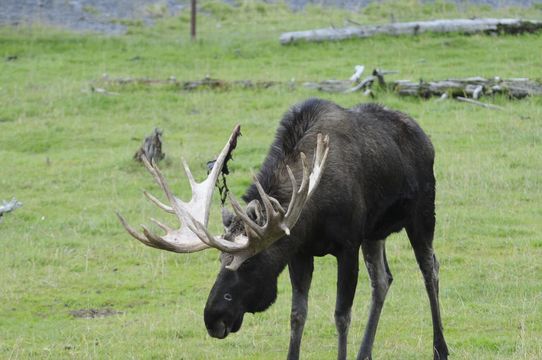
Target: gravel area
point(108, 15)
point(85, 15)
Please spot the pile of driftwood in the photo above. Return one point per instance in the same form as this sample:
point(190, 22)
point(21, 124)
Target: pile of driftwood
point(465, 26)
point(464, 89)
point(475, 87)
point(516, 88)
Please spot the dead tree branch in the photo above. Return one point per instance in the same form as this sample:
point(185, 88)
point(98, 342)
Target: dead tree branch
point(151, 147)
point(478, 103)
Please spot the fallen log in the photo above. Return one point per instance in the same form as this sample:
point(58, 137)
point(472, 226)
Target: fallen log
point(207, 83)
point(468, 26)
point(332, 86)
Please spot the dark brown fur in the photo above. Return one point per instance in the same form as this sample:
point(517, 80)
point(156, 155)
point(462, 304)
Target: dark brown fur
point(378, 180)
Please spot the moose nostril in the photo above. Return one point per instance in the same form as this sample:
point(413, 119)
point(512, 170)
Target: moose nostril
point(219, 330)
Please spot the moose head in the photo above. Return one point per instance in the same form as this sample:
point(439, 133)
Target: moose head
point(242, 286)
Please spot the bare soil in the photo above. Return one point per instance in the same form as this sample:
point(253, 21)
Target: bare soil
point(94, 313)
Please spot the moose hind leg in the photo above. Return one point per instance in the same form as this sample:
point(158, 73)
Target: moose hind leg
point(420, 234)
point(347, 280)
point(380, 276)
point(300, 269)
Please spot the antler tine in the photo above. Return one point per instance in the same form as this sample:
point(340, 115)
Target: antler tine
point(265, 199)
point(318, 152)
point(305, 168)
point(320, 158)
point(277, 205)
point(151, 169)
point(272, 216)
point(223, 156)
point(163, 183)
point(294, 186)
point(298, 196)
point(188, 173)
point(158, 203)
point(134, 232)
point(161, 180)
point(162, 225)
point(157, 241)
point(227, 246)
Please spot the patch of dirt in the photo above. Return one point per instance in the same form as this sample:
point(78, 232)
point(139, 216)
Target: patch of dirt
point(94, 313)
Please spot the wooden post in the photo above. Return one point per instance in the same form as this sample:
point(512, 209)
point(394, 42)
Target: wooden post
point(193, 20)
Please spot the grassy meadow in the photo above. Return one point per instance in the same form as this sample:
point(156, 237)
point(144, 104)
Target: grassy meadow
point(66, 153)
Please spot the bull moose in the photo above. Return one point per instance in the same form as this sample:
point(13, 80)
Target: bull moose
point(370, 174)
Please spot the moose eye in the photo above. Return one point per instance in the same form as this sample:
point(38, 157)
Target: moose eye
point(228, 297)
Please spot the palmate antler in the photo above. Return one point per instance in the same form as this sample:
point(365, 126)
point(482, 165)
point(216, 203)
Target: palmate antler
point(193, 234)
point(183, 240)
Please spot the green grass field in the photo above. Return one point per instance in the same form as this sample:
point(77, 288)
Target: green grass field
point(66, 153)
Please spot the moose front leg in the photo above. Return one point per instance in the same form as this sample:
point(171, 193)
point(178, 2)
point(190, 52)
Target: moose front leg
point(347, 280)
point(300, 268)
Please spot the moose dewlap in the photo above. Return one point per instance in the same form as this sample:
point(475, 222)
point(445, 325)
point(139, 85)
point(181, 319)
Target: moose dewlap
point(334, 180)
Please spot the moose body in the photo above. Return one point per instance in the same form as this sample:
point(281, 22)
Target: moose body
point(378, 179)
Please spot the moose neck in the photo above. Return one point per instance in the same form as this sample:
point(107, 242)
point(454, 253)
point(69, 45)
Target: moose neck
point(277, 256)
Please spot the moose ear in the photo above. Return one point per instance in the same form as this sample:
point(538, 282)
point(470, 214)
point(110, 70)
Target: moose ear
point(227, 217)
point(254, 211)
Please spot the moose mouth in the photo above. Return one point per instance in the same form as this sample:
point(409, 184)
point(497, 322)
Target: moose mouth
point(220, 329)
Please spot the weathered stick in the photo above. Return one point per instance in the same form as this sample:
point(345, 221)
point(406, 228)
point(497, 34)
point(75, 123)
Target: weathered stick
point(359, 71)
point(9, 206)
point(478, 103)
point(367, 82)
point(509, 26)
